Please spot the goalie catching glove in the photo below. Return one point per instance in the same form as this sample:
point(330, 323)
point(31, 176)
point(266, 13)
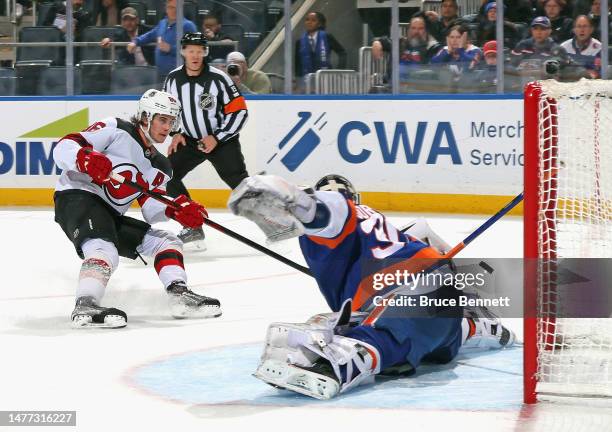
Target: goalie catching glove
point(94, 164)
point(278, 207)
point(188, 213)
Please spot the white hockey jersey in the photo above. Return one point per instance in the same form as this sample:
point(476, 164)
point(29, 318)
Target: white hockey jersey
point(120, 141)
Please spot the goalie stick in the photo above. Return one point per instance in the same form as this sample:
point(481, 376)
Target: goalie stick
point(166, 200)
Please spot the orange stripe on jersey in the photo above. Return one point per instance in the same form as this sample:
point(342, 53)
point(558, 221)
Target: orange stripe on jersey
point(420, 261)
point(374, 357)
point(349, 227)
point(235, 105)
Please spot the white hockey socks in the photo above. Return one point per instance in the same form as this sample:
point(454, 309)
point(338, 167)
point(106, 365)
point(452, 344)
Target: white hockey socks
point(100, 260)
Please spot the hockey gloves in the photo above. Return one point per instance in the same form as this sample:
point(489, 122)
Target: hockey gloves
point(189, 213)
point(95, 164)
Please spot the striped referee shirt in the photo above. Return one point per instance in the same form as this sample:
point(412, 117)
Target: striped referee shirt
point(212, 105)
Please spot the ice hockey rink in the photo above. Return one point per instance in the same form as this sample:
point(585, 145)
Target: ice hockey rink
point(160, 374)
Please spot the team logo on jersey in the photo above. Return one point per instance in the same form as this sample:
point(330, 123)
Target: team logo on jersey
point(207, 101)
point(119, 193)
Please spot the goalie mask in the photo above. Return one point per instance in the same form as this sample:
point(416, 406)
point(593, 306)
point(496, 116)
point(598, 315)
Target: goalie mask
point(337, 183)
point(155, 102)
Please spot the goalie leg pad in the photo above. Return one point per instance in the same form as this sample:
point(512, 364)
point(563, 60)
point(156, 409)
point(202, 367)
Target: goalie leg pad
point(342, 364)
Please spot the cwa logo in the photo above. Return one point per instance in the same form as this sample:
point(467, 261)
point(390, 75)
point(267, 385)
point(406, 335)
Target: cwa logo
point(393, 143)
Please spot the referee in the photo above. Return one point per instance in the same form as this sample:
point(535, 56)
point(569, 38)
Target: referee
point(213, 114)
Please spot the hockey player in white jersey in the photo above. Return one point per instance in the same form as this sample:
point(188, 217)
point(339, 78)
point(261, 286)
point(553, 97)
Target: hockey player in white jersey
point(90, 208)
point(345, 245)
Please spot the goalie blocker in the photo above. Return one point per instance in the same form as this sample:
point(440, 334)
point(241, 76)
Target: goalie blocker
point(330, 355)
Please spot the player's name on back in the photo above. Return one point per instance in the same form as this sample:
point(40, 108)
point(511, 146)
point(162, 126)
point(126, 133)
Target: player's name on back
point(426, 301)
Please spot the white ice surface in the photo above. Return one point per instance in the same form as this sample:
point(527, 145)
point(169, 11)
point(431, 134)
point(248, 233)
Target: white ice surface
point(138, 378)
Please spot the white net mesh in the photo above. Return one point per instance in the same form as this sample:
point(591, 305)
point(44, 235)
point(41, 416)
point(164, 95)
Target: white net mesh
point(574, 221)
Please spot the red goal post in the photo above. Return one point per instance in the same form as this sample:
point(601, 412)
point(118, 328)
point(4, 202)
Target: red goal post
point(567, 214)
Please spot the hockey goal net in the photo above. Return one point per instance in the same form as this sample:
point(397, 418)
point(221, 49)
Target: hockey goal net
point(568, 214)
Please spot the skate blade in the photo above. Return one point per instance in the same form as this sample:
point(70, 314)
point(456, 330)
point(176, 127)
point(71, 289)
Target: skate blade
point(110, 321)
point(195, 246)
point(183, 312)
point(289, 377)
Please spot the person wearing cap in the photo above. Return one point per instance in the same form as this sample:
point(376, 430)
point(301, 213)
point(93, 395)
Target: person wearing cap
point(247, 80)
point(539, 47)
point(487, 28)
point(214, 112)
point(130, 29)
point(164, 35)
point(485, 74)
point(583, 49)
point(561, 25)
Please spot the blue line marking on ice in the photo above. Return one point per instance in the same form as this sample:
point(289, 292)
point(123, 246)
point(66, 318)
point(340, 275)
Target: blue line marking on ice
point(490, 380)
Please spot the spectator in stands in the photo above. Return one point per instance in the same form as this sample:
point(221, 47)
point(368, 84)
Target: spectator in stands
point(108, 12)
point(313, 49)
point(486, 71)
point(130, 30)
point(516, 11)
point(440, 24)
point(583, 49)
point(211, 28)
point(487, 28)
point(164, 34)
point(247, 80)
point(415, 50)
point(595, 16)
point(459, 54)
point(531, 55)
point(82, 18)
point(560, 24)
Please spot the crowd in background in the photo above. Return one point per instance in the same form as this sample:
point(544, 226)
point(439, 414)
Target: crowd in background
point(547, 37)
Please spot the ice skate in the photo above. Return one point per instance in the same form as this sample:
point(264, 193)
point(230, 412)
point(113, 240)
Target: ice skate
point(488, 331)
point(184, 303)
point(193, 237)
point(318, 381)
point(87, 313)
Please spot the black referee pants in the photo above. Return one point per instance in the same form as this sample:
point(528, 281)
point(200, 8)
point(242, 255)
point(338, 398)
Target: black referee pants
point(226, 158)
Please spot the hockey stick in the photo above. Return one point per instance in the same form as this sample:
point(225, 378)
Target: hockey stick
point(486, 225)
point(168, 201)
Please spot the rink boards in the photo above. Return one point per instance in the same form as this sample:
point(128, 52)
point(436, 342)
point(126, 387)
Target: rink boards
point(448, 153)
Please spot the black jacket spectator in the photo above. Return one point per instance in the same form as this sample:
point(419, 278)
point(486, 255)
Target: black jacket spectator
point(516, 11)
point(108, 12)
point(561, 29)
point(487, 28)
point(440, 24)
point(81, 16)
point(148, 51)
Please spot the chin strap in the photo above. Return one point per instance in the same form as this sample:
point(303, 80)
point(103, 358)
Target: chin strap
point(146, 131)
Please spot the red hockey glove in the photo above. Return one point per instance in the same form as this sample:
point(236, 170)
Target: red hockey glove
point(190, 214)
point(95, 164)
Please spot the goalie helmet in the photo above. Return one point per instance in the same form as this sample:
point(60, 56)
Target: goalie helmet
point(337, 183)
